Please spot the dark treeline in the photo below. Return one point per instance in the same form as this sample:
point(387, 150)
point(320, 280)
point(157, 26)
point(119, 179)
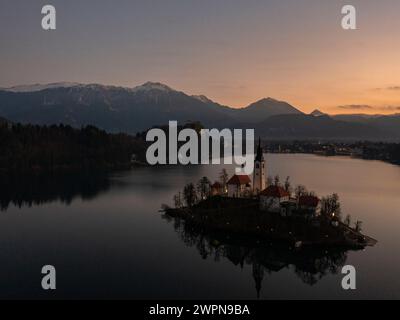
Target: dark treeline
point(389, 152)
point(33, 148)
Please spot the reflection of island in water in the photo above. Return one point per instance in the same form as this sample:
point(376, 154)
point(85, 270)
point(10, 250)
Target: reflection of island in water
point(22, 191)
point(310, 264)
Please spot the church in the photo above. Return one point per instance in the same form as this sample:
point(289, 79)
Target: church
point(272, 198)
point(241, 186)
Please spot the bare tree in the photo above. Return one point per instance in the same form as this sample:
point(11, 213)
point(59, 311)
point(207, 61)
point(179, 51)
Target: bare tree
point(288, 186)
point(358, 226)
point(277, 180)
point(224, 179)
point(347, 220)
point(178, 200)
point(300, 191)
point(204, 188)
point(190, 195)
point(331, 206)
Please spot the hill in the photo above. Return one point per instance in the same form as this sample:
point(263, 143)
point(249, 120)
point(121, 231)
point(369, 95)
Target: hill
point(306, 127)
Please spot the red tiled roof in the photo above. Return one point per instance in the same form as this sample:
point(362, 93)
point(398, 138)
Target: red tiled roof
point(309, 201)
point(275, 192)
point(216, 185)
point(239, 180)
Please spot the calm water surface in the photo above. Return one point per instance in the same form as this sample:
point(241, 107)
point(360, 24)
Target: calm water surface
point(107, 239)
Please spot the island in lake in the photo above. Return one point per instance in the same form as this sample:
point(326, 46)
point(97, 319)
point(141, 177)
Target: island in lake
point(265, 208)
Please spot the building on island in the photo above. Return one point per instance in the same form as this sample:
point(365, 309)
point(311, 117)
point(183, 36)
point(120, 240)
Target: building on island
point(259, 171)
point(239, 186)
point(217, 189)
point(309, 205)
point(272, 198)
point(288, 208)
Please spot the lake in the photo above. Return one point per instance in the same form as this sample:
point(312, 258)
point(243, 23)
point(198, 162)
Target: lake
point(107, 239)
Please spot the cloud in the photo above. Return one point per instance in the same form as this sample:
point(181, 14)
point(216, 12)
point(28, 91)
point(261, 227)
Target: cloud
point(390, 108)
point(368, 107)
point(356, 107)
point(390, 88)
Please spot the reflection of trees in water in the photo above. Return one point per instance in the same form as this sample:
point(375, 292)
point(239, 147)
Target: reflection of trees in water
point(309, 264)
point(27, 191)
point(320, 266)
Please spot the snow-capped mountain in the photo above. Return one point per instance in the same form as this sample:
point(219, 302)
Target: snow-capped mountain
point(122, 109)
point(151, 86)
point(318, 113)
point(108, 107)
point(40, 87)
point(148, 86)
point(203, 98)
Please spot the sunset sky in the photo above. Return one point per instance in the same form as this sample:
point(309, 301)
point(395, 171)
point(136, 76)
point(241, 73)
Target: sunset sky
point(233, 51)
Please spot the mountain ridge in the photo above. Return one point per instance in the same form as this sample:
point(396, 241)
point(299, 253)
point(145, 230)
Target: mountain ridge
point(147, 86)
point(132, 110)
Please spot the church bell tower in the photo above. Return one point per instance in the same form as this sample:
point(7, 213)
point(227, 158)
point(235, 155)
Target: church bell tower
point(259, 171)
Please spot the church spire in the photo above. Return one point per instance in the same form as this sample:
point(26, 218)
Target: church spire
point(259, 170)
point(259, 155)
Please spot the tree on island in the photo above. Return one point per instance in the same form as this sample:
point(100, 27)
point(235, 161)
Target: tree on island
point(288, 186)
point(358, 226)
point(331, 206)
point(178, 201)
point(347, 220)
point(277, 180)
point(204, 188)
point(300, 191)
point(190, 195)
point(224, 179)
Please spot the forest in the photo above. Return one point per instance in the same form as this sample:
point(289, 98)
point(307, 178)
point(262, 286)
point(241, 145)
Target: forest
point(33, 148)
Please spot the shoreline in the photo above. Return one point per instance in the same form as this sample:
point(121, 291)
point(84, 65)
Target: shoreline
point(251, 222)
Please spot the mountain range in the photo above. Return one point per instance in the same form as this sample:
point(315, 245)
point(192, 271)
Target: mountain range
point(131, 110)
